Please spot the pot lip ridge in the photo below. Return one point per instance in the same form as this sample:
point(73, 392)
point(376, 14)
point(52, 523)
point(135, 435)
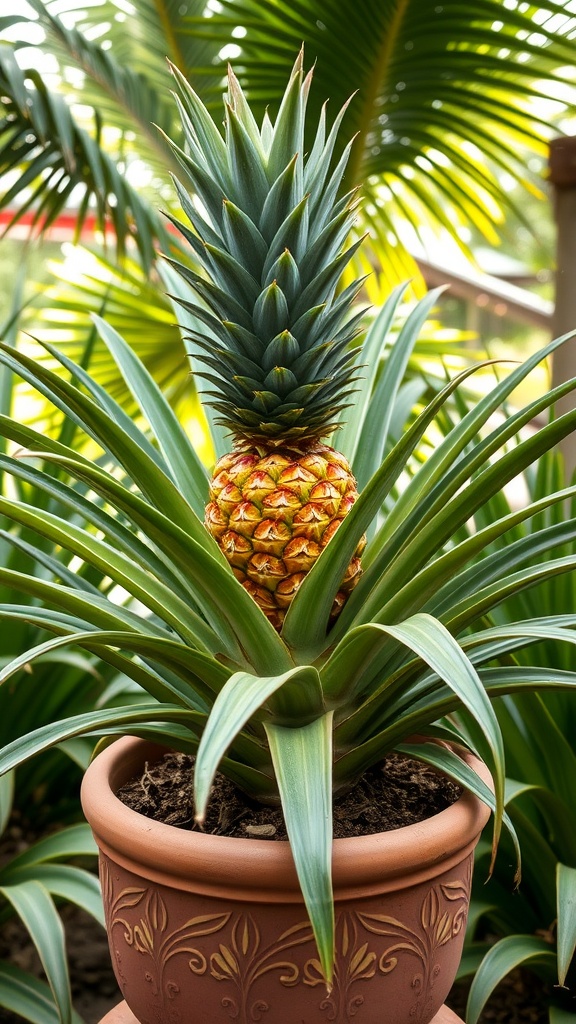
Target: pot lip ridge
point(179, 857)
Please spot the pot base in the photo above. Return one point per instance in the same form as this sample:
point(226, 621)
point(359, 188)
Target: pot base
point(122, 1015)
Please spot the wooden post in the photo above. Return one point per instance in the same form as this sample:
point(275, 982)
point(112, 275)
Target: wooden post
point(562, 165)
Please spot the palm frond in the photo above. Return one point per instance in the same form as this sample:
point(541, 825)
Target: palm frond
point(49, 155)
point(140, 39)
point(443, 96)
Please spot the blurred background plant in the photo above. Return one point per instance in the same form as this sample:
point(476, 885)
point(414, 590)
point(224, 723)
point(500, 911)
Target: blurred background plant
point(532, 926)
point(31, 881)
point(38, 875)
point(453, 105)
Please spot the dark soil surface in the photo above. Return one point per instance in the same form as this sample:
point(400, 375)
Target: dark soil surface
point(399, 791)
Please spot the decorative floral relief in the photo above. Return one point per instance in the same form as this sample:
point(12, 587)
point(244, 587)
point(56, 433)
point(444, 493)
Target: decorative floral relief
point(244, 960)
point(239, 957)
point(443, 916)
point(150, 935)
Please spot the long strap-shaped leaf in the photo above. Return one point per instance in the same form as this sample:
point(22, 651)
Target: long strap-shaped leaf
point(96, 723)
point(479, 648)
point(76, 609)
point(534, 549)
point(56, 568)
point(90, 612)
point(75, 885)
point(153, 482)
point(511, 952)
point(28, 997)
point(163, 677)
point(123, 539)
point(393, 692)
point(560, 819)
point(102, 398)
point(372, 349)
point(426, 529)
point(307, 618)
point(566, 889)
point(448, 463)
point(302, 761)
point(416, 718)
point(27, 438)
point(187, 471)
point(241, 697)
point(471, 608)
point(154, 594)
point(201, 675)
point(36, 910)
point(180, 570)
point(75, 841)
point(553, 744)
point(6, 799)
point(217, 590)
point(436, 530)
point(432, 642)
point(448, 762)
point(450, 578)
point(372, 440)
point(499, 640)
point(190, 680)
point(518, 679)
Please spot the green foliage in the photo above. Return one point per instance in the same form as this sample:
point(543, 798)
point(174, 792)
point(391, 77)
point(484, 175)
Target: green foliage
point(464, 74)
point(271, 242)
point(410, 647)
point(62, 682)
point(535, 925)
point(30, 884)
point(125, 500)
point(426, 83)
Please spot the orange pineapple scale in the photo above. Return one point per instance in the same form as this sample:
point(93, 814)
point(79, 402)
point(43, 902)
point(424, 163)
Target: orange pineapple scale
point(273, 513)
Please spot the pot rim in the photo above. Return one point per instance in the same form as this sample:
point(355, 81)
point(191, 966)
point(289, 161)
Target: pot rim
point(252, 868)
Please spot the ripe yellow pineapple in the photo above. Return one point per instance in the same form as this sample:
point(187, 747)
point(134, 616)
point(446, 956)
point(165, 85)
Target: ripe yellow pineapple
point(275, 340)
point(272, 512)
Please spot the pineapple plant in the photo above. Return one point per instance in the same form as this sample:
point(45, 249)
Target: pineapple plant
point(270, 231)
point(295, 704)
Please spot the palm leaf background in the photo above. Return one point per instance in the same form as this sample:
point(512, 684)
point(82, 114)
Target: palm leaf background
point(444, 99)
point(443, 96)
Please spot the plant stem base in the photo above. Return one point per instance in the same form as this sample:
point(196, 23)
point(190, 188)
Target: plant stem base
point(122, 1015)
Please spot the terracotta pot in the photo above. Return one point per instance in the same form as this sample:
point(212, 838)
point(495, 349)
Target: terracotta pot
point(206, 929)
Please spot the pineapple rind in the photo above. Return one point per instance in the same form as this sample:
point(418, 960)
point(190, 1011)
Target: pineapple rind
point(273, 512)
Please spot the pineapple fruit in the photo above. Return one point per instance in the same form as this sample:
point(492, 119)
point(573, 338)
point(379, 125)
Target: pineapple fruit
point(269, 230)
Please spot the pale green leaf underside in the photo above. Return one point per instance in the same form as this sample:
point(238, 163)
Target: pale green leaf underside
point(34, 906)
point(302, 759)
point(240, 698)
point(566, 895)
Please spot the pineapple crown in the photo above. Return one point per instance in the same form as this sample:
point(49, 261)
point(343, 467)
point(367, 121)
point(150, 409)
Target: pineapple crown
point(269, 230)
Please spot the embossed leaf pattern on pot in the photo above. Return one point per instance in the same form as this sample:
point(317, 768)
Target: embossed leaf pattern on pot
point(239, 957)
point(358, 959)
point(150, 934)
point(244, 961)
